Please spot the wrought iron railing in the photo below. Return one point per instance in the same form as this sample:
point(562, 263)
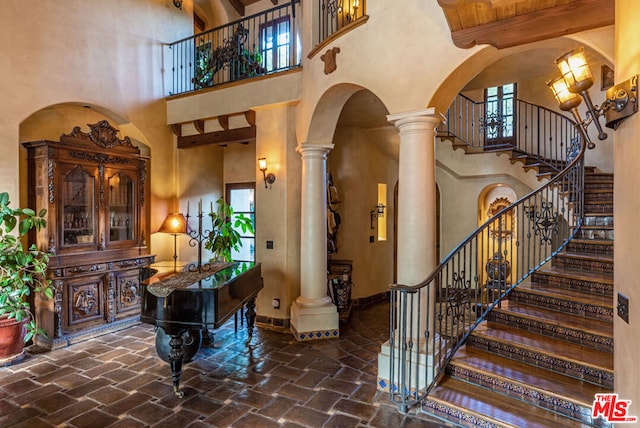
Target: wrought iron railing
point(260, 44)
point(530, 130)
point(432, 319)
point(334, 15)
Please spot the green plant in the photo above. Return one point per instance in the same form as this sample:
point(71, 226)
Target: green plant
point(224, 236)
point(251, 63)
point(21, 270)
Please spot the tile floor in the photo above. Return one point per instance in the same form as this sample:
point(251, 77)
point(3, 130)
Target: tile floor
point(117, 380)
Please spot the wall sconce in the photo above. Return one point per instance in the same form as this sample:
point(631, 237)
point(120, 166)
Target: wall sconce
point(175, 224)
point(268, 178)
point(576, 78)
point(177, 3)
point(375, 213)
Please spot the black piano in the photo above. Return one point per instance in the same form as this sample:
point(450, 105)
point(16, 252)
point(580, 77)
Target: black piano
point(183, 314)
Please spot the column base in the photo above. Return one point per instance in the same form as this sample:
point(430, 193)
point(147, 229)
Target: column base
point(316, 322)
point(423, 359)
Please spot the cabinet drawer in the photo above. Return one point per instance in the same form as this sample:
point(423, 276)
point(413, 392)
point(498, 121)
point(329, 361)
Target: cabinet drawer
point(84, 269)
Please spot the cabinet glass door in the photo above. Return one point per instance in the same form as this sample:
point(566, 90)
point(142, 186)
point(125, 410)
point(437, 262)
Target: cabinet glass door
point(121, 207)
point(78, 217)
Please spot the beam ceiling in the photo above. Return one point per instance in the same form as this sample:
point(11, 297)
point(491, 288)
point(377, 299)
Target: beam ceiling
point(507, 23)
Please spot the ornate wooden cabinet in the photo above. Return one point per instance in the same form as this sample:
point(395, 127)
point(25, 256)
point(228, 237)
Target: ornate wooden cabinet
point(95, 187)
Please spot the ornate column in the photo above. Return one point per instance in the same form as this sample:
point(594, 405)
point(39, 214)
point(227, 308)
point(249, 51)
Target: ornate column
point(416, 221)
point(313, 314)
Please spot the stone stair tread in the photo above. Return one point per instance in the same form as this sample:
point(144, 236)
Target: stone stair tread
point(604, 277)
point(598, 190)
point(499, 409)
point(585, 256)
point(576, 322)
point(591, 241)
point(566, 294)
point(561, 349)
point(539, 378)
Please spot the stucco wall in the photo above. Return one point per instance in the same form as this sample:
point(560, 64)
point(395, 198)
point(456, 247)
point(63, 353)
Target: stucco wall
point(88, 53)
point(626, 207)
point(358, 162)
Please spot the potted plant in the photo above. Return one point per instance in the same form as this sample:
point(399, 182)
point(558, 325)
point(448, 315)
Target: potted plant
point(224, 236)
point(22, 271)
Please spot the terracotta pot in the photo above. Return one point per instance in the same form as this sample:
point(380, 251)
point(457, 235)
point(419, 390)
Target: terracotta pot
point(11, 340)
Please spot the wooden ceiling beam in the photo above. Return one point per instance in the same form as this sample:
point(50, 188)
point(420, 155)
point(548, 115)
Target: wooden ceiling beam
point(223, 121)
point(199, 125)
point(250, 117)
point(176, 128)
point(238, 6)
point(221, 138)
point(539, 25)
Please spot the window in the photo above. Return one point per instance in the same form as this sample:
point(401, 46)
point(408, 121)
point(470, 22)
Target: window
point(241, 197)
point(275, 42)
point(499, 114)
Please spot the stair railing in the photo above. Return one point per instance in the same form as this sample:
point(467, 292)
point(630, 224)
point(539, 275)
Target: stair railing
point(431, 320)
point(525, 128)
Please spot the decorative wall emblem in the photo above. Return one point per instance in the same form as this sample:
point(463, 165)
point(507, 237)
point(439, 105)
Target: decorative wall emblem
point(329, 59)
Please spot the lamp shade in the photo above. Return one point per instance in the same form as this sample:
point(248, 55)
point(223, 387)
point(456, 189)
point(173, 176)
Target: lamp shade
point(575, 70)
point(175, 223)
point(566, 100)
point(262, 164)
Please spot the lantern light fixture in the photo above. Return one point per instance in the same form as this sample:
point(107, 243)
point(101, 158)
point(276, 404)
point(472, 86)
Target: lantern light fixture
point(269, 178)
point(572, 86)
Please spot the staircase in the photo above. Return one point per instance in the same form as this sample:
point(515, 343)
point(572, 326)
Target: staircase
point(539, 358)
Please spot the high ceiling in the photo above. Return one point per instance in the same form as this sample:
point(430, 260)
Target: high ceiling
point(506, 23)
point(239, 5)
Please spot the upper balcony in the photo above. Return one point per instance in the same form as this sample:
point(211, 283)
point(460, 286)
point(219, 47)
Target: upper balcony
point(261, 44)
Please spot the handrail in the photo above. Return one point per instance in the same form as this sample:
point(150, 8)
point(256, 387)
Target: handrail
point(526, 129)
point(260, 44)
point(431, 320)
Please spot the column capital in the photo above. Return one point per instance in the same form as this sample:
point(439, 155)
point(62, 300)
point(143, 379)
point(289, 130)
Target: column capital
point(428, 116)
point(314, 148)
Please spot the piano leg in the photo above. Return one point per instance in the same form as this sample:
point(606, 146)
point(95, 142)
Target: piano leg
point(175, 361)
point(251, 315)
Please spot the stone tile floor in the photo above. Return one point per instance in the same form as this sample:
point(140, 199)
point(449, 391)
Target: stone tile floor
point(117, 380)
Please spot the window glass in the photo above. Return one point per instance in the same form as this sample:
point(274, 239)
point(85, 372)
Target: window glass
point(499, 114)
point(241, 198)
point(276, 44)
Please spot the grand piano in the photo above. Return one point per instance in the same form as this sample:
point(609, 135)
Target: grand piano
point(186, 305)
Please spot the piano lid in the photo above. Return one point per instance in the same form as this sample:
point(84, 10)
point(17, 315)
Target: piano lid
point(218, 277)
